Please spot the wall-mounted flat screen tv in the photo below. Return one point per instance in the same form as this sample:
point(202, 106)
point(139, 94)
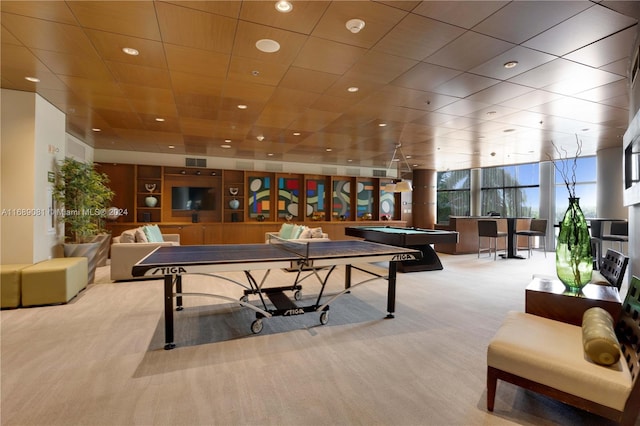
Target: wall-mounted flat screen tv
point(192, 198)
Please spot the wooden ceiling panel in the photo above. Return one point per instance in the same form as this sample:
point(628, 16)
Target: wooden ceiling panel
point(519, 21)
point(254, 71)
point(47, 35)
point(379, 68)
point(328, 56)
point(230, 9)
point(465, 85)
point(56, 11)
point(141, 75)
point(526, 60)
point(438, 86)
point(133, 18)
point(605, 51)
point(379, 20)
point(249, 33)
point(302, 19)
point(464, 14)
point(188, 27)
point(197, 61)
point(417, 37)
point(425, 77)
point(308, 80)
point(90, 66)
point(110, 45)
point(580, 30)
point(186, 83)
point(313, 120)
point(468, 51)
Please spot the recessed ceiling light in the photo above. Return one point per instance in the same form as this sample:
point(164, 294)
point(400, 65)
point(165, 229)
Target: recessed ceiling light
point(355, 25)
point(296, 133)
point(510, 64)
point(382, 124)
point(160, 119)
point(284, 6)
point(95, 129)
point(32, 79)
point(241, 106)
point(267, 45)
point(353, 89)
point(227, 141)
point(172, 146)
point(328, 150)
point(225, 146)
point(130, 51)
point(270, 154)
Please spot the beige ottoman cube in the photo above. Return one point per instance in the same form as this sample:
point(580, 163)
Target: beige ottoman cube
point(53, 281)
point(11, 284)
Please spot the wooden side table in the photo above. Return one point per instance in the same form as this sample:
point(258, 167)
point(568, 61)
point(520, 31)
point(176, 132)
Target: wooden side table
point(547, 297)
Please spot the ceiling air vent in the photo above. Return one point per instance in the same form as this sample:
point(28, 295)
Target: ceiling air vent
point(195, 162)
point(379, 173)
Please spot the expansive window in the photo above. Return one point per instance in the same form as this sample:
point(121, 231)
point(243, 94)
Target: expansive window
point(453, 194)
point(511, 191)
point(585, 179)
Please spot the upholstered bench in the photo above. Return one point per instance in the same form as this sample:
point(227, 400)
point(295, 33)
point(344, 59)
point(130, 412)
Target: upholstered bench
point(53, 281)
point(550, 357)
point(11, 284)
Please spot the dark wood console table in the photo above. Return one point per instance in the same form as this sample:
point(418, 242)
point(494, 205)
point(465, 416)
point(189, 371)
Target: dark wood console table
point(547, 297)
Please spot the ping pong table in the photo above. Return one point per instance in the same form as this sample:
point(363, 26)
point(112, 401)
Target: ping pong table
point(312, 258)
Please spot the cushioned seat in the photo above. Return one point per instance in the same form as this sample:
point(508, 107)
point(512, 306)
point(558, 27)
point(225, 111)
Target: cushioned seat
point(11, 284)
point(551, 353)
point(53, 281)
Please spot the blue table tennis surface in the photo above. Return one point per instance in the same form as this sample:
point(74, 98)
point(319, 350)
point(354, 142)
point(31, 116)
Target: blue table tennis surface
point(239, 255)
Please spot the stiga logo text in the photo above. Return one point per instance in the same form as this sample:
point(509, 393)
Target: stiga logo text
point(298, 311)
point(169, 270)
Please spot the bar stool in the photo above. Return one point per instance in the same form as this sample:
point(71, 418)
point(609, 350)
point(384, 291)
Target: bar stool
point(537, 228)
point(489, 229)
point(619, 232)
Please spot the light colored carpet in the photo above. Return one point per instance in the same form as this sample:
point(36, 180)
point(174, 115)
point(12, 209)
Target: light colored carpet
point(98, 360)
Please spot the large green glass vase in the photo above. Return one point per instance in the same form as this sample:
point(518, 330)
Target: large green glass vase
point(574, 262)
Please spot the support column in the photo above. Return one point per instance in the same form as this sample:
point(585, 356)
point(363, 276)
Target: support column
point(424, 198)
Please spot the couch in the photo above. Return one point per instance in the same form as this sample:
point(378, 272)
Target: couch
point(126, 252)
point(297, 233)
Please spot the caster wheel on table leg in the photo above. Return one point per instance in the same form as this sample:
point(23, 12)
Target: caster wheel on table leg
point(244, 299)
point(256, 326)
point(297, 295)
point(324, 317)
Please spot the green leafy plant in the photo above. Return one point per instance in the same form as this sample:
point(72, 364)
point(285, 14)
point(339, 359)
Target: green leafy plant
point(82, 198)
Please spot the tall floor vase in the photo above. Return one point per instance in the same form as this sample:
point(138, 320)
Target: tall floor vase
point(574, 262)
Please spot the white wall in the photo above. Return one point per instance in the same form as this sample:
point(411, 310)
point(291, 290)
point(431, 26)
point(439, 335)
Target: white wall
point(33, 140)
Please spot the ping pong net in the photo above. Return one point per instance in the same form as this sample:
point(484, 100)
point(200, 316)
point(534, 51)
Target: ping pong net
point(299, 248)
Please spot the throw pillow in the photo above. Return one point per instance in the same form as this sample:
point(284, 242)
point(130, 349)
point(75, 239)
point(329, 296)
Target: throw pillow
point(316, 233)
point(297, 230)
point(153, 234)
point(598, 338)
point(128, 236)
point(141, 237)
point(285, 231)
point(306, 233)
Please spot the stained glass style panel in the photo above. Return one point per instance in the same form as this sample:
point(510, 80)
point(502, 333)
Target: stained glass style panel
point(315, 197)
point(259, 196)
point(365, 199)
point(341, 208)
point(288, 197)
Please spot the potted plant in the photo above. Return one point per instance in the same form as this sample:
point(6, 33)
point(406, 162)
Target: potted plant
point(82, 200)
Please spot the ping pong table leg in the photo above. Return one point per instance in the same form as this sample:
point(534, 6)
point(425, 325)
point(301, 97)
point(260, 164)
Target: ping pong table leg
point(168, 311)
point(347, 277)
point(179, 306)
point(391, 289)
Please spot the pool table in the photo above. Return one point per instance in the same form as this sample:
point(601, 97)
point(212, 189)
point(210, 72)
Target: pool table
point(416, 238)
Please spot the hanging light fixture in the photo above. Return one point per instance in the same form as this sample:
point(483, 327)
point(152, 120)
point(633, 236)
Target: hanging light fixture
point(399, 185)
